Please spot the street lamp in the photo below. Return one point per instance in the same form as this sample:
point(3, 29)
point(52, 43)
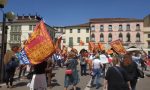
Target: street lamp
point(6, 16)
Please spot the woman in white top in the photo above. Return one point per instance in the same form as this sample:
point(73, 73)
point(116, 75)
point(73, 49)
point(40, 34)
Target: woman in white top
point(96, 71)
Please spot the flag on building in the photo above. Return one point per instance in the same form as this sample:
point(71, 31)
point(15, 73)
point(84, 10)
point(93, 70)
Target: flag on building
point(39, 45)
point(118, 47)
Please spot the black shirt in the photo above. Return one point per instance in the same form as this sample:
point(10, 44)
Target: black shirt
point(40, 68)
point(114, 79)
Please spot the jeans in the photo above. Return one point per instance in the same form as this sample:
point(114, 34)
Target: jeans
point(133, 84)
point(83, 69)
point(96, 76)
point(9, 77)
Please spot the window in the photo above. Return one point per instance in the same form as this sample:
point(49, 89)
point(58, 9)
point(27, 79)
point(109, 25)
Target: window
point(70, 30)
point(70, 41)
point(128, 27)
point(87, 30)
point(109, 37)
point(120, 27)
point(93, 28)
point(92, 37)
point(121, 37)
point(15, 37)
point(78, 30)
point(101, 37)
point(101, 28)
point(64, 40)
point(34, 26)
point(78, 40)
point(110, 27)
point(87, 39)
point(148, 44)
point(30, 27)
point(128, 37)
point(138, 37)
point(16, 28)
point(148, 35)
point(137, 26)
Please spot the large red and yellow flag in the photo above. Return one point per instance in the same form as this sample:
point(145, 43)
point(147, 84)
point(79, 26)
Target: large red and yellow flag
point(39, 45)
point(118, 47)
point(91, 46)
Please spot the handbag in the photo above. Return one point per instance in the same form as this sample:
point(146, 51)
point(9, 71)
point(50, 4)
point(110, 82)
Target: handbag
point(68, 72)
point(140, 73)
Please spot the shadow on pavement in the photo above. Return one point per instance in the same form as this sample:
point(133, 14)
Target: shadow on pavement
point(54, 83)
point(20, 84)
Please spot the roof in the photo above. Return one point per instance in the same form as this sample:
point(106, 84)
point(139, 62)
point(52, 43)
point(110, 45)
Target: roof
point(27, 19)
point(113, 20)
point(80, 25)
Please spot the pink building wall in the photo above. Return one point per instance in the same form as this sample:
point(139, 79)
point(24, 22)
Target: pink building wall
point(115, 32)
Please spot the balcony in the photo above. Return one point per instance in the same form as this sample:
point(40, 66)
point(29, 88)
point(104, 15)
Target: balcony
point(137, 41)
point(128, 29)
point(120, 29)
point(138, 29)
point(14, 42)
point(110, 30)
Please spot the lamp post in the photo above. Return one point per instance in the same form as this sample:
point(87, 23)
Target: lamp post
point(6, 16)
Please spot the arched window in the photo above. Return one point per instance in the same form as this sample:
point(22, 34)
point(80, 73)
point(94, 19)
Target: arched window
point(93, 28)
point(109, 37)
point(128, 27)
point(137, 26)
point(128, 37)
point(120, 36)
point(110, 28)
point(138, 37)
point(101, 37)
point(93, 37)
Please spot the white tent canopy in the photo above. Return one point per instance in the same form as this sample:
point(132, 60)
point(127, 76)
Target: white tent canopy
point(134, 49)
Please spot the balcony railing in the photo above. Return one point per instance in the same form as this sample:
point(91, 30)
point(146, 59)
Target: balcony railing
point(14, 42)
point(138, 29)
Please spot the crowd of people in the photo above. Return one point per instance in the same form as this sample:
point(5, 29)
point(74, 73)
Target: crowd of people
point(120, 72)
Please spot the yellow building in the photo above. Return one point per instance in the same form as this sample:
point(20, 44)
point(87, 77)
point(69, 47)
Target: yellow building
point(73, 35)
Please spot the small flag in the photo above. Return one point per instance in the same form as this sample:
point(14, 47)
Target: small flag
point(22, 57)
point(101, 46)
point(81, 43)
point(118, 47)
point(58, 43)
point(91, 46)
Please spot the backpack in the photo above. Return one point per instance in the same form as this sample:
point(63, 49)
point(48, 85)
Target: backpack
point(11, 65)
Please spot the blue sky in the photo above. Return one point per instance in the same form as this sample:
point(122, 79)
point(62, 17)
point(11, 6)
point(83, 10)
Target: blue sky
point(72, 12)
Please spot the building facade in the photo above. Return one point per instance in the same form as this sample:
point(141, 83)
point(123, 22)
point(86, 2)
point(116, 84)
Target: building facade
point(19, 30)
point(146, 31)
point(74, 35)
point(128, 30)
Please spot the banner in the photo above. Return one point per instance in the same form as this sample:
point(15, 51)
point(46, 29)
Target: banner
point(118, 47)
point(39, 45)
point(22, 57)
